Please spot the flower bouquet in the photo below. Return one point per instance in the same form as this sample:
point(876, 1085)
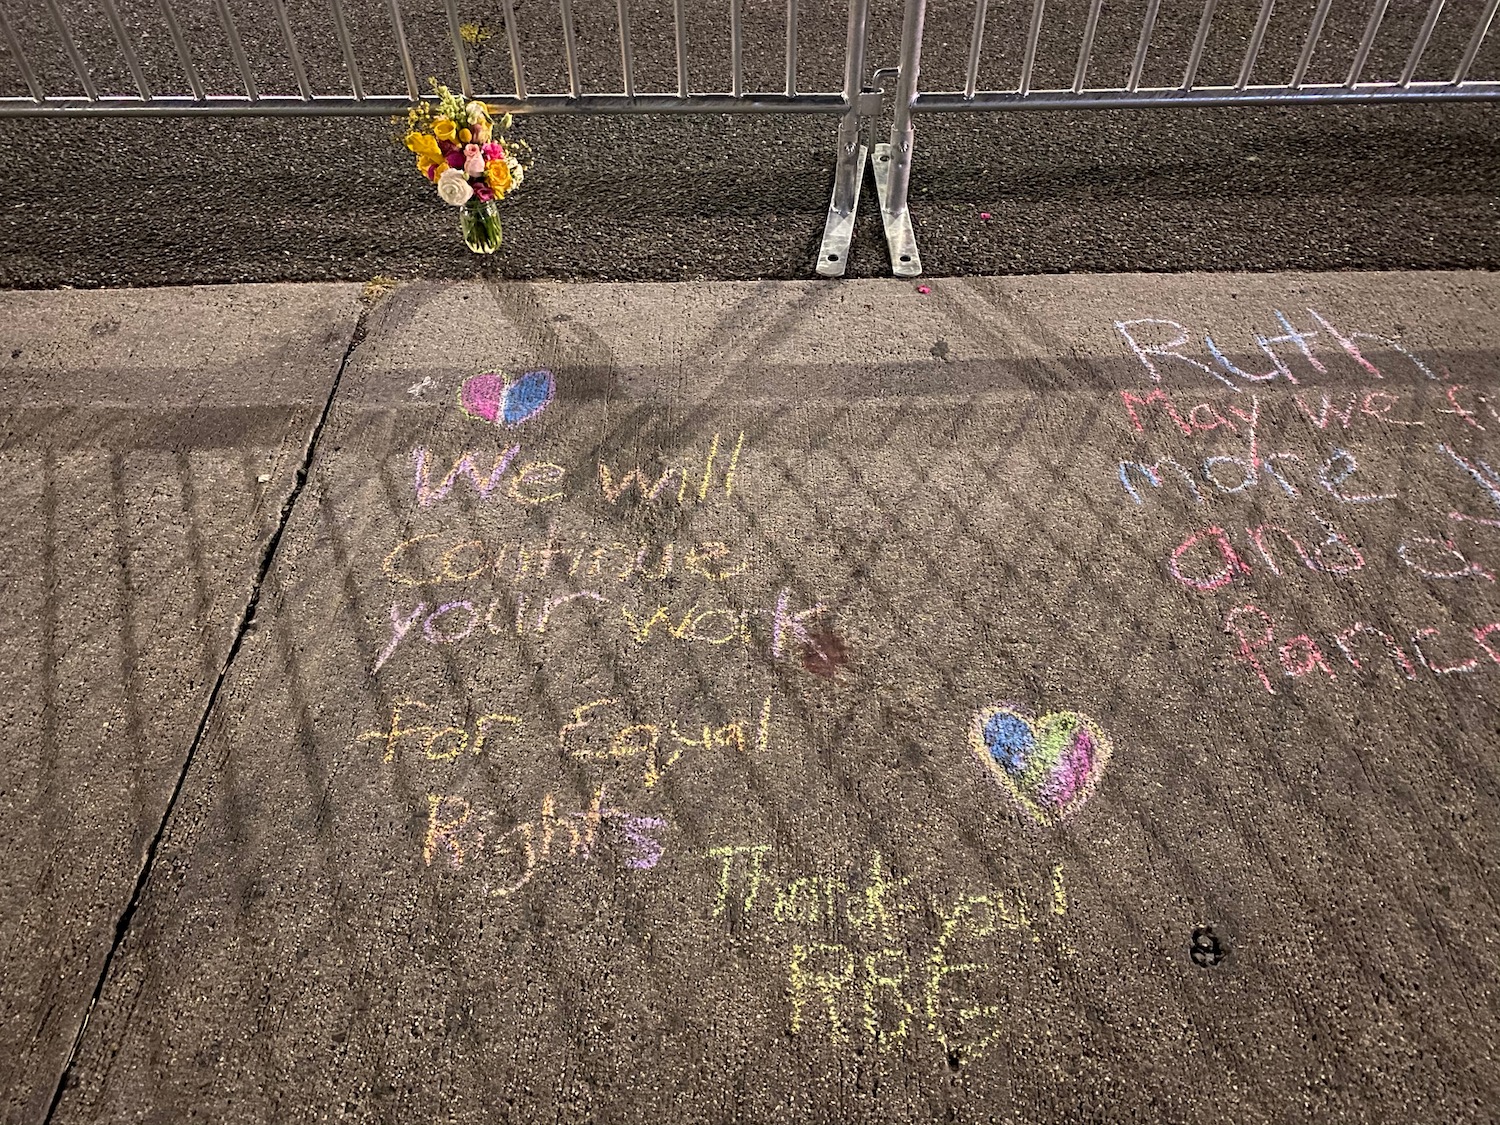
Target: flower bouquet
point(462, 149)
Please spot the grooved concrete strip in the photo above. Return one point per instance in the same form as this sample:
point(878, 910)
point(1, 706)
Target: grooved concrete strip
point(149, 441)
point(841, 704)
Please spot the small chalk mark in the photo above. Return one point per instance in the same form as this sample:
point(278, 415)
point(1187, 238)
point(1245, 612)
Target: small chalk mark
point(1207, 950)
point(824, 653)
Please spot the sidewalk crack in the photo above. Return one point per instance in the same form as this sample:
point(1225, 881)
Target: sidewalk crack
point(242, 628)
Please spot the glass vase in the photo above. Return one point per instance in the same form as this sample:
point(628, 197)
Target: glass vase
point(480, 224)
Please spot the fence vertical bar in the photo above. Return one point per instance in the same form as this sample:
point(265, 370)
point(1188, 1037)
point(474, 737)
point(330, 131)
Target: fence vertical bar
point(1190, 75)
point(1481, 29)
point(1086, 50)
point(1148, 25)
point(237, 49)
point(15, 52)
point(736, 51)
point(976, 44)
point(513, 38)
point(190, 72)
point(401, 45)
point(570, 46)
point(627, 52)
point(791, 48)
point(893, 166)
point(341, 27)
point(79, 67)
point(1420, 45)
point(291, 49)
point(1257, 37)
point(1033, 36)
point(132, 63)
point(460, 55)
point(680, 16)
point(1377, 13)
point(1314, 31)
point(846, 185)
point(849, 169)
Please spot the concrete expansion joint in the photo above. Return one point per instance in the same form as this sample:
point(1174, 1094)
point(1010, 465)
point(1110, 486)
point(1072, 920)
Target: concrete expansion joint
point(242, 628)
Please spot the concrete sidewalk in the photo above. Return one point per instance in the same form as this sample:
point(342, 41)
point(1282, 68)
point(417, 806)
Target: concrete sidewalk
point(1067, 698)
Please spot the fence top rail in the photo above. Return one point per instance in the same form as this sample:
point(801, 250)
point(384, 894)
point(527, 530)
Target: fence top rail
point(1206, 96)
point(320, 106)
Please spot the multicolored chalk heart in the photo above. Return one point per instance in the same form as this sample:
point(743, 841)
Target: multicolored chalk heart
point(493, 398)
point(1050, 765)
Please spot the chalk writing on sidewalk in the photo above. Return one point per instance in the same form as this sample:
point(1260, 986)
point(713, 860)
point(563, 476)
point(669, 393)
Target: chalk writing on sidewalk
point(1155, 340)
point(505, 858)
point(438, 743)
point(597, 733)
point(780, 632)
point(1419, 423)
point(1358, 647)
point(864, 963)
point(437, 558)
point(533, 483)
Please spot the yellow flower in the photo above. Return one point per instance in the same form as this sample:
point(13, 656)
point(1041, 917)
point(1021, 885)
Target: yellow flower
point(465, 136)
point(424, 144)
point(444, 128)
point(497, 173)
point(424, 163)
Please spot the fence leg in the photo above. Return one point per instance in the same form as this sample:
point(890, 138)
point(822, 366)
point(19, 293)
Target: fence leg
point(838, 232)
point(893, 161)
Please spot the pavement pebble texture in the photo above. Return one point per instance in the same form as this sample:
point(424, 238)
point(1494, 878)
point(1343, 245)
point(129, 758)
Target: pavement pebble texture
point(1060, 699)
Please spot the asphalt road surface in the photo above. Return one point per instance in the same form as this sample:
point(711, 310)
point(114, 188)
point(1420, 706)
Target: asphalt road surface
point(737, 197)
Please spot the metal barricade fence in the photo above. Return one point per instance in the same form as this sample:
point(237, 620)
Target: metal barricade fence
point(49, 32)
point(858, 105)
point(893, 161)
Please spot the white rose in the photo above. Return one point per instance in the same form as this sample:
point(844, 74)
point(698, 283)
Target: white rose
point(453, 187)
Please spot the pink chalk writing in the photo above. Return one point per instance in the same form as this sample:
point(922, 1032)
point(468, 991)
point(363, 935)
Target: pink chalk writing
point(1364, 647)
point(1155, 339)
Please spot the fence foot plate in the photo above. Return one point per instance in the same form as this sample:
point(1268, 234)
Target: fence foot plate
point(838, 232)
point(899, 237)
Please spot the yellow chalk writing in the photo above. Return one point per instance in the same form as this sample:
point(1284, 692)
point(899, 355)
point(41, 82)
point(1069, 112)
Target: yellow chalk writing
point(826, 983)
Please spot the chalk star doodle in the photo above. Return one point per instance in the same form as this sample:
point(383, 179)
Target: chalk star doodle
point(1049, 765)
point(493, 398)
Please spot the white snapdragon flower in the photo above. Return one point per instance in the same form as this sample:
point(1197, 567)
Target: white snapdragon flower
point(453, 187)
point(477, 113)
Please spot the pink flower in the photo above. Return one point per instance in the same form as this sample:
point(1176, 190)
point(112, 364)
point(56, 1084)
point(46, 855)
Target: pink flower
point(483, 193)
point(473, 161)
point(455, 159)
point(493, 151)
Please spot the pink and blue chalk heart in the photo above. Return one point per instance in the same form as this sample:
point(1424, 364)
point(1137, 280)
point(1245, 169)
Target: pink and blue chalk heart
point(493, 398)
point(1049, 765)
